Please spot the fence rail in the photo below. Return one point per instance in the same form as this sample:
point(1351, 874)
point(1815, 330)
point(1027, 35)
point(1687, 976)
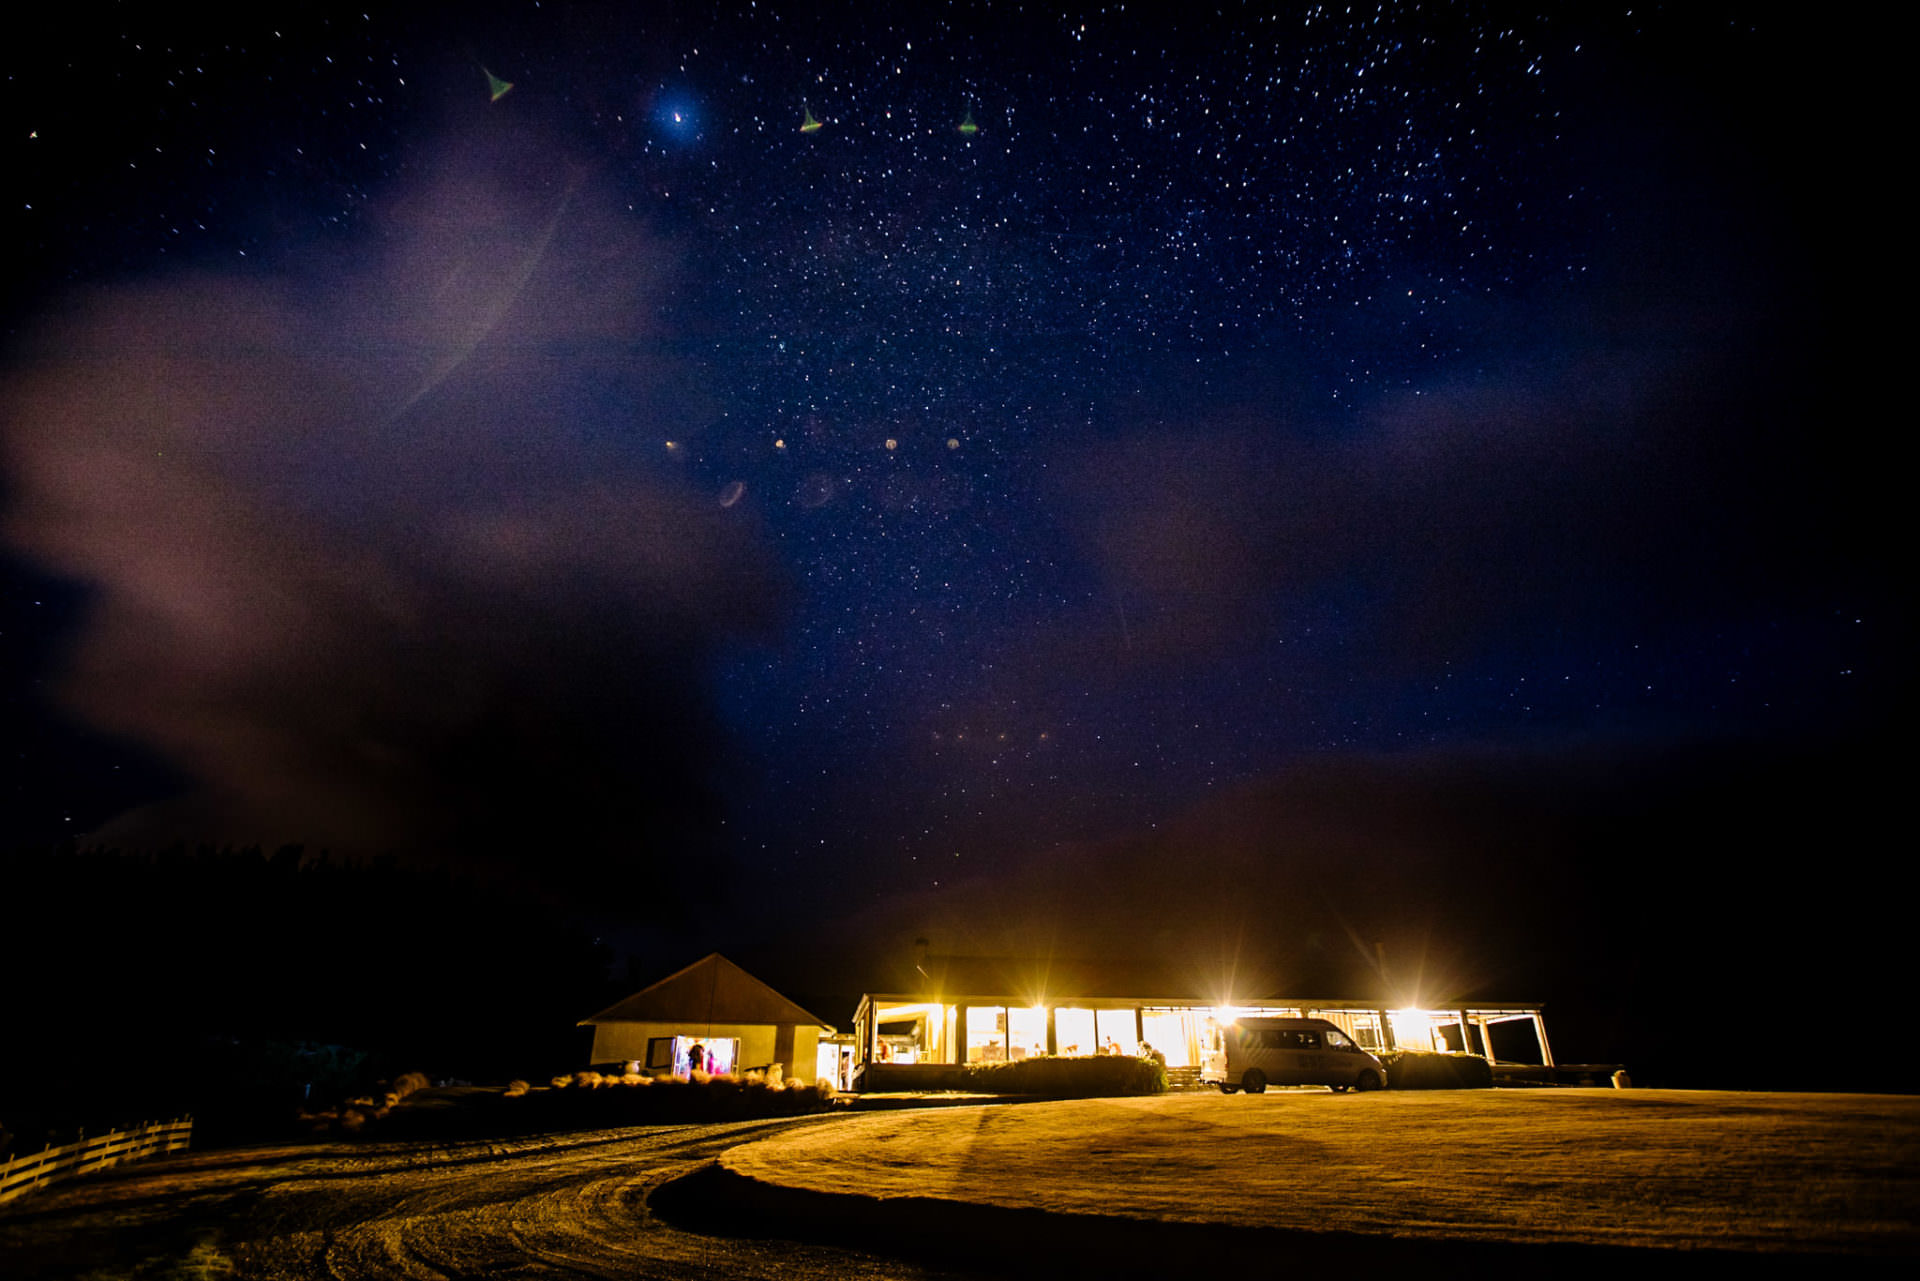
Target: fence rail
point(22, 1174)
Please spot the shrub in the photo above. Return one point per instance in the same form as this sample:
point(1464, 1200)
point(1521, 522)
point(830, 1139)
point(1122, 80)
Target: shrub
point(516, 1088)
point(1419, 1070)
point(408, 1082)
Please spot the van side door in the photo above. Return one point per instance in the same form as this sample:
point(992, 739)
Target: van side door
point(1313, 1064)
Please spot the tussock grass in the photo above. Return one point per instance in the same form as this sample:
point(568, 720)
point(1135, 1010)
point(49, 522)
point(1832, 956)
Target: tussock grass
point(352, 1116)
point(648, 1100)
point(573, 1101)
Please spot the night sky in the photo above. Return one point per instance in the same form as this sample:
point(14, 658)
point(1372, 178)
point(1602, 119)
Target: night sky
point(1118, 481)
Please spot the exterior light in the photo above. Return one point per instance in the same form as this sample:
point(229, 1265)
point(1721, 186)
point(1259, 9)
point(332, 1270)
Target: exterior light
point(1412, 1025)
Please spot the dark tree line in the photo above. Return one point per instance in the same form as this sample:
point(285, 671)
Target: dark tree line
point(240, 983)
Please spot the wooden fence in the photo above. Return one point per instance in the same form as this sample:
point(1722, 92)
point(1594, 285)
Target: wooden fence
point(21, 1174)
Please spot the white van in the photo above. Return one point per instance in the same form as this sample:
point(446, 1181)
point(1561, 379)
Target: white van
point(1255, 1053)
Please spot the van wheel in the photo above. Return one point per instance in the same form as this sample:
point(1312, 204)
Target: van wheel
point(1255, 1081)
point(1227, 1089)
point(1368, 1081)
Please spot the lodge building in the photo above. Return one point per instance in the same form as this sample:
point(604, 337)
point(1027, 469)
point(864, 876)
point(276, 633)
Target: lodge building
point(942, 1012)
point(959, 1010)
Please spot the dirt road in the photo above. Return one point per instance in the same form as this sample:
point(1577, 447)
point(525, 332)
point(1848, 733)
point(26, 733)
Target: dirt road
point(551, 1206)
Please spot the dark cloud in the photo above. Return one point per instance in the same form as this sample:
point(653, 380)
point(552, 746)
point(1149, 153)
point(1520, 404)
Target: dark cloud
point(1670, 889)
point(384, 548)
point(1646, 468)
point(1304, 877)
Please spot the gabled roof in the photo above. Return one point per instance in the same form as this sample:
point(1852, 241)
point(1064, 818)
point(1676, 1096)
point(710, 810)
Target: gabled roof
point(713, 990)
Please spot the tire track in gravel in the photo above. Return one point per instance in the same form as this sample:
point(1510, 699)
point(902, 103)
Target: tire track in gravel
point(563, 1206)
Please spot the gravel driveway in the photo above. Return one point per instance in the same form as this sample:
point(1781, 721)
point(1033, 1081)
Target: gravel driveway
point(570, 1205)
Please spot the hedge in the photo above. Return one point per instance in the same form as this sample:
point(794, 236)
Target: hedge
point(1070, 1078)
point(1420, 1070)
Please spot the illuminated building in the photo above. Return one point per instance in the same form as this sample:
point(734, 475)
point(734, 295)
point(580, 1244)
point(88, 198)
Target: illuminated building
point(954, 1010)
point(738, 1024)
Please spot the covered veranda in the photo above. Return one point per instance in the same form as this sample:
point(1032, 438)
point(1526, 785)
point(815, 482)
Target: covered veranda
point(1081, 1010)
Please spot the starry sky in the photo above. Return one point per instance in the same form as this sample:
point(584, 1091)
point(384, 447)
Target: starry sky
point(833, 459)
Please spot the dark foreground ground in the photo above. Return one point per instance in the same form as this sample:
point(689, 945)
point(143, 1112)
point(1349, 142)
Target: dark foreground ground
point(658, 1202)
